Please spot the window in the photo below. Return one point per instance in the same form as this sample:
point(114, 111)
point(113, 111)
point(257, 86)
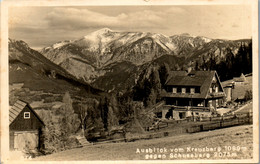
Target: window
point(214, 79)
point(192, 90)
point(210, 90)
point(174, 90)
point(26, 115)
point(216, 89)
point(210, 103)
point(183, 90)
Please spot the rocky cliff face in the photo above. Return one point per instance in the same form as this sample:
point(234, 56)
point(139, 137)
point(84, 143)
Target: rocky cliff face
point(86, 56)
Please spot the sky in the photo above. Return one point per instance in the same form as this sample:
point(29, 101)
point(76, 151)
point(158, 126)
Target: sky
point(44, 26)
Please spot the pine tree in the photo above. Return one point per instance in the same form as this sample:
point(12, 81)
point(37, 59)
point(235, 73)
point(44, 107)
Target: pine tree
point(113, 112)
point(212, 62)
point(104, 111)
point(164, 72)
point(238, 65)
point(197, 67)
point(204, 64)
point(69, 120)
point(61, 123)
point(230, 63)
point(249, 58)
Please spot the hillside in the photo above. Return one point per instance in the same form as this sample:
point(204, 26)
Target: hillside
point(127, 151)
point(32, 76)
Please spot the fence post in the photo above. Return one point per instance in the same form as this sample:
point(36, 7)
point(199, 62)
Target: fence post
point(249, 118)
point(201, 127)
point(222, 121)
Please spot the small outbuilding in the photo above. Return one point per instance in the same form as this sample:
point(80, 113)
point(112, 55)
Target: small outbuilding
point(25, 127)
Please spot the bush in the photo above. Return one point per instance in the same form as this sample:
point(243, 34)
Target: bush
point(248, 95)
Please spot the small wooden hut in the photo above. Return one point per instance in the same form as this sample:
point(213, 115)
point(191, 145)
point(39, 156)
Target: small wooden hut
point(25, 127)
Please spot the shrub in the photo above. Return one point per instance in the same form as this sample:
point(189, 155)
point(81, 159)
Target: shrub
point(248, 95)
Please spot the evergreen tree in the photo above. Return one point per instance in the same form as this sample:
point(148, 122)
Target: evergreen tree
point(204, 63)
point(61, 124)
point(238, 65)
point(113, 112)
point(147, 91)
point(151, 98)
point(229, 69)
point(248, 95)
point(249, 58)
point(69, 120)
point(212, 62)
point(164, 72)
point(104, 111)
point(197, 67)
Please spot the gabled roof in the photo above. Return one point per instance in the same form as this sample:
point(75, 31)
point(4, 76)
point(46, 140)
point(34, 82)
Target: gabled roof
point(17, 108)
point(242, 78)
point(202, 79)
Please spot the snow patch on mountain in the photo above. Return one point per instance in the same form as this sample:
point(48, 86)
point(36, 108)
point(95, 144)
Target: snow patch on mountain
point(59, 58)
point(99, 39)
point(60, 44)
point(87, 57)
point(164, 41)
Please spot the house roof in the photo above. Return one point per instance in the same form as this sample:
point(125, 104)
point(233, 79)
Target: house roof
point(17, 108)
point(239, 79)
point(203, 79)
point(242, 78)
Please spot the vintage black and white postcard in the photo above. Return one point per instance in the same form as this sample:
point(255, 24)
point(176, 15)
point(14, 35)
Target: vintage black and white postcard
point(142, 81)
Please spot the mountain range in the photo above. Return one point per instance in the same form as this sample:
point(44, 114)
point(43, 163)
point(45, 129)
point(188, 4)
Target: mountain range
point(112, 60)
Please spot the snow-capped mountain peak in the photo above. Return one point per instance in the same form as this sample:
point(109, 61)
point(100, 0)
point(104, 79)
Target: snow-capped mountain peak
point(98, 33)
point(104, 30)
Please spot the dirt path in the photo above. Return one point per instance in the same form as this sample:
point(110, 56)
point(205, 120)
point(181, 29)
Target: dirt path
point(245, 108)
point(236, 137)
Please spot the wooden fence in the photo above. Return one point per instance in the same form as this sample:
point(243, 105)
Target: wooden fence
point(215, 123)
point(223, 122)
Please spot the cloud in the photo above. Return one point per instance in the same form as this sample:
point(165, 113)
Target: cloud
point(26, 17)
point(46, 25)
point(73, 18)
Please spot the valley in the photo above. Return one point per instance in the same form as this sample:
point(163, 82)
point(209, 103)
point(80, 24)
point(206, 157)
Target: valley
point(111, 80)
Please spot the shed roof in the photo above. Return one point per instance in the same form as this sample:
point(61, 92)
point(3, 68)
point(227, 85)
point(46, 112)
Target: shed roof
point(17, 108)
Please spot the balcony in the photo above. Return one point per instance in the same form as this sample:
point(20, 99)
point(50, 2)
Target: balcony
point(217, 94)
point(182, 95)
point(189, 108)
